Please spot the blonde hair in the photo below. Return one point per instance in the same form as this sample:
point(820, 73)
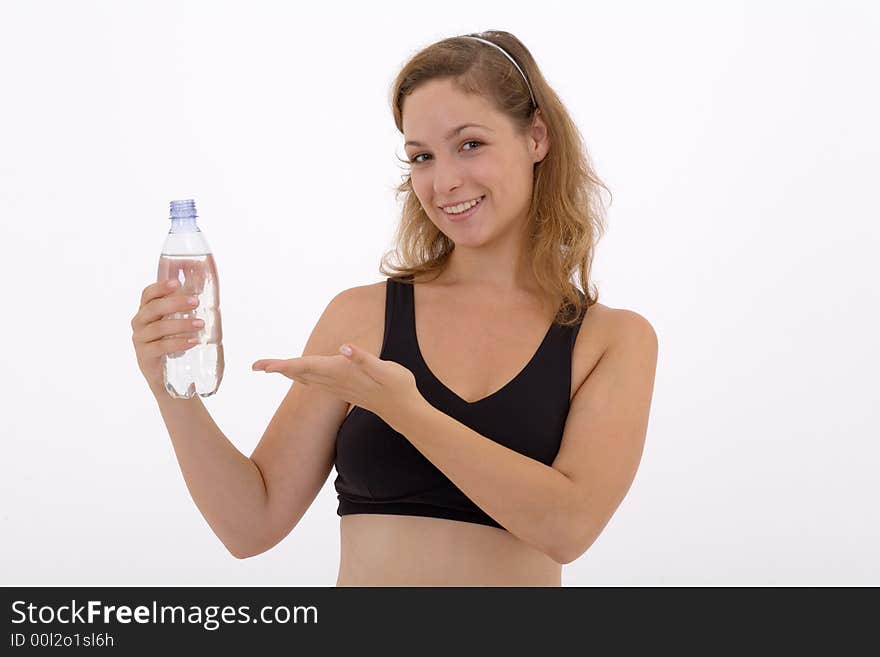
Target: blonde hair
point(566, 216)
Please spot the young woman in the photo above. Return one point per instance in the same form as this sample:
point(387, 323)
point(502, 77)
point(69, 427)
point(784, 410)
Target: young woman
point(485, 416)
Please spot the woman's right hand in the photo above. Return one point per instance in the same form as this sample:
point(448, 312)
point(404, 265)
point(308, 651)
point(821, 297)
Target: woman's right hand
point(154, 336)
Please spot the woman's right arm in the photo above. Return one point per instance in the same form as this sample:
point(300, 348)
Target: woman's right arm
point(226, 486)
point(231, 490)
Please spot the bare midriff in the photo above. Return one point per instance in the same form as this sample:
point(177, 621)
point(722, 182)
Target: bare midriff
point(392, 550)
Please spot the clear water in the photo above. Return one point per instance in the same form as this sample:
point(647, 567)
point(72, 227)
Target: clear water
point(199, 369)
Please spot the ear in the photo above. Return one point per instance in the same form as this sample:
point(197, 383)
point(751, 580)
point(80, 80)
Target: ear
point(539, 137)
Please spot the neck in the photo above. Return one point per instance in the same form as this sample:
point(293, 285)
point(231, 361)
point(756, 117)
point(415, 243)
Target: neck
point(503, 266)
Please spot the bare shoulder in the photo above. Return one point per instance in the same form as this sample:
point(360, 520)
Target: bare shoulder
point(603, 329)
point(359, 297)
point(631, 322)
point(611, 321)
point(628, 329)
point(358, 315)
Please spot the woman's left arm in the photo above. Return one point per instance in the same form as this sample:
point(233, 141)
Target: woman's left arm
point(559, 509)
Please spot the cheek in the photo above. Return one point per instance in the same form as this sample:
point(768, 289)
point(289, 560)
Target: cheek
point(421, 184)
point(515, 187)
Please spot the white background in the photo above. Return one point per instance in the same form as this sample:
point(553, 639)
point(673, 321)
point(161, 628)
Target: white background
point(739, 140)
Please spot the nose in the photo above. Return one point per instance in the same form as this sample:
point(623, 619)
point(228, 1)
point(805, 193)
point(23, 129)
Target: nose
point(447, 178)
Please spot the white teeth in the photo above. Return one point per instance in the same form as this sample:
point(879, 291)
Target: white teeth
point(458, 209)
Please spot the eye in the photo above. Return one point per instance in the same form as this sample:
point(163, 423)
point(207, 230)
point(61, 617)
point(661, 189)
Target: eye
point(415, 158)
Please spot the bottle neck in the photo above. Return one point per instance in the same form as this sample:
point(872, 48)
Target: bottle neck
point(184, 225)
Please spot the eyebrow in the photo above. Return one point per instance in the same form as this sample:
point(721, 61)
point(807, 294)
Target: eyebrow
point(452, 133)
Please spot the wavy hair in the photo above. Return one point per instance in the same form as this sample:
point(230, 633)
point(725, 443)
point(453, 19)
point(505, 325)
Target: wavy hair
point(566, 215)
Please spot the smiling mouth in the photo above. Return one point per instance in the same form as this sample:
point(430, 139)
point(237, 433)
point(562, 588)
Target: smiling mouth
point(479, 200)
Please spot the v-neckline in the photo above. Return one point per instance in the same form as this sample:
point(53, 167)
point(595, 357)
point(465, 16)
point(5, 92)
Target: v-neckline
point(436, 379)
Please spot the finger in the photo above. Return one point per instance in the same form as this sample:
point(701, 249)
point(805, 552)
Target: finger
point(357, 355)
point(298, 377)
point(305, 369)
point(169, 346)
point(269, 365)
point(158, 289)
point(333, 373)
point(164, 306)
point(366, 362)
point(281, 367)
point(168, 327)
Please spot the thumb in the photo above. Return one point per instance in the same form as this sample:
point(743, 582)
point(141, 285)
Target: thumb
point(361, 357)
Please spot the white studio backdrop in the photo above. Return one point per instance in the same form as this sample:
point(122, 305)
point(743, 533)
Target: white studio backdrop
point(740, 142)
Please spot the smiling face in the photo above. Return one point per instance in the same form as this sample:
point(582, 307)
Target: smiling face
point(450, 166)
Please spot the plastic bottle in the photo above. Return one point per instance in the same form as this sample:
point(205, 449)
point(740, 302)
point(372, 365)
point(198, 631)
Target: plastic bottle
point(187, 258)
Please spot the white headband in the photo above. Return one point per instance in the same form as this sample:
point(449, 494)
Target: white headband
point(504, 52)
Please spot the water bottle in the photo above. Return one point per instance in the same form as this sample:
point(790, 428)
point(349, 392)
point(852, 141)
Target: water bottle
point(187, 258)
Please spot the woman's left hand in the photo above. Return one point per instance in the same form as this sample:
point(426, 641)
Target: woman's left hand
point(383, 387)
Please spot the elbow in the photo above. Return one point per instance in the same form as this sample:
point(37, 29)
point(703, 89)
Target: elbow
point(568, 553)
point(574, 544)
point(251, 545)
point(564, 555)
point(244, 554)
point(239, 554)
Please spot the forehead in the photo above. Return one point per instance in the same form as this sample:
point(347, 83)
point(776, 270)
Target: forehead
point(437, 107)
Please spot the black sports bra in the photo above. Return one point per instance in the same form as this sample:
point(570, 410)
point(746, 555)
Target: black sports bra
point(379, 470)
